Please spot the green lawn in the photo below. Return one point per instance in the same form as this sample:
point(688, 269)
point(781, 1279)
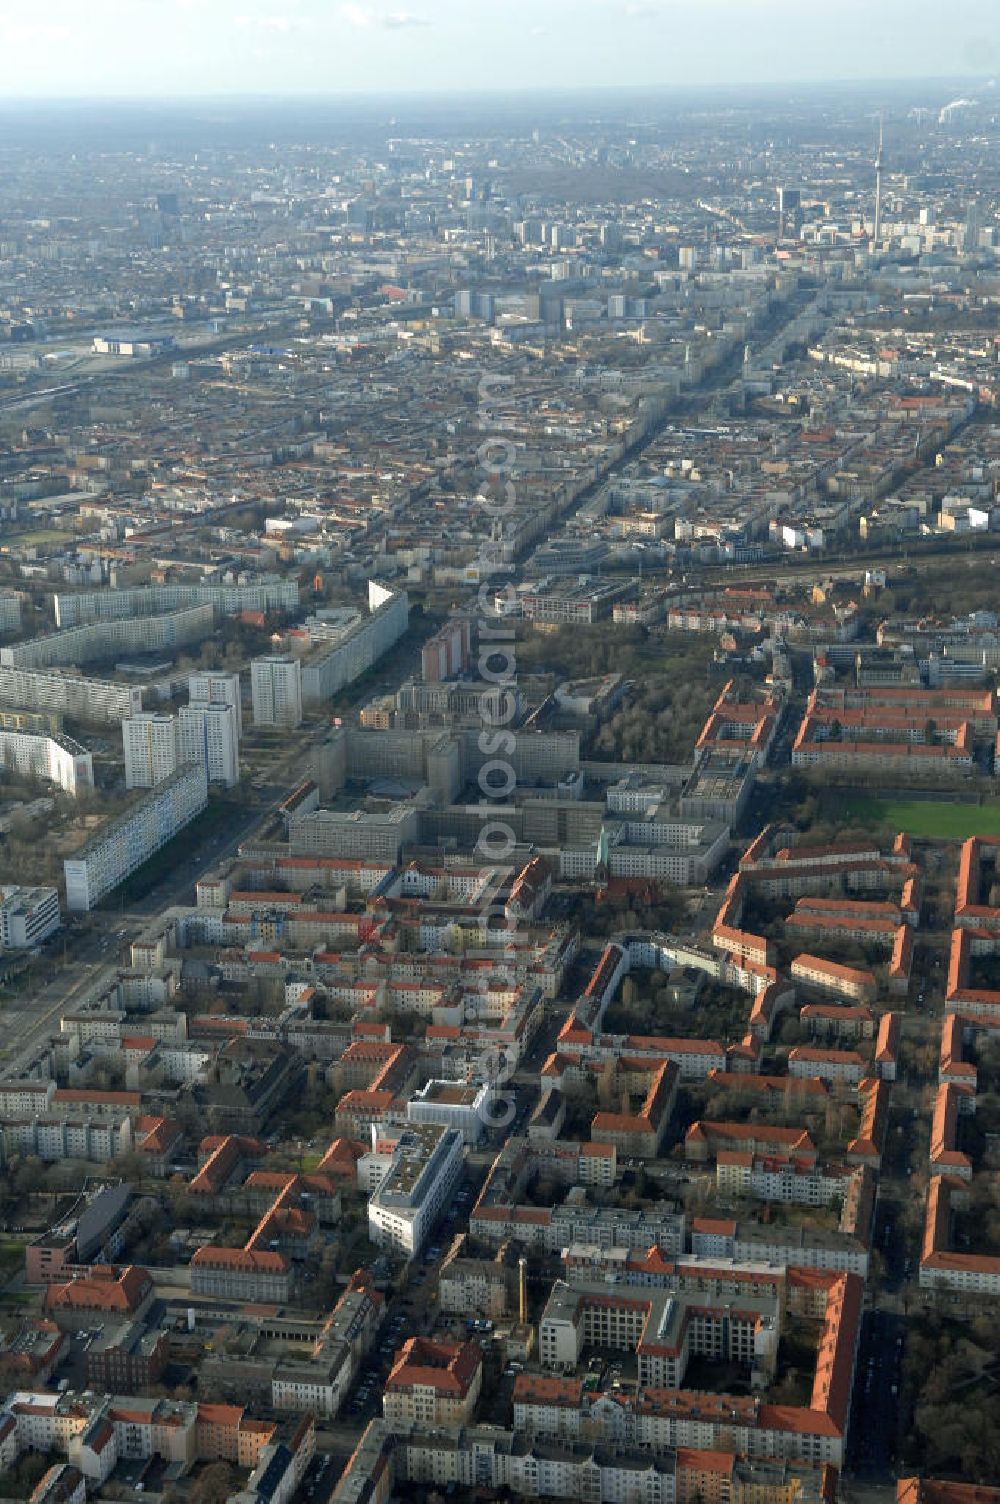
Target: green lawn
point(41, 535)
point(935, 820)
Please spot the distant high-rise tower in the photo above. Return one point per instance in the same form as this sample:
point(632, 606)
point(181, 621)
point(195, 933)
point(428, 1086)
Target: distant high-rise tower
point(878, 188)
point(789, 211)
point(970, 239)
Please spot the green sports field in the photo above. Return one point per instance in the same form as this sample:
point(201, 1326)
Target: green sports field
point(933, 820)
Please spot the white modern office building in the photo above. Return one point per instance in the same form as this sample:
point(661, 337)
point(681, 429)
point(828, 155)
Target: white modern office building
point(105, 639)
point(211, 734)
point(452, 1104)
point(207, 731)
point(122, 846)
point(53, 1139)
point(335, 663)
point(276, 687)
point(55, 757)
point(268, 593)
point(422, 1166)
point(211, 687)
point(151, 749)
point(10, 611)
point(27, 916)
point(92, 700)
point(358, 835)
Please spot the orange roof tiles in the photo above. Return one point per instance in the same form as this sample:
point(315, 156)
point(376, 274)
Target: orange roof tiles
point(813, 1056)
point(226, 1417)
point(248, 1261)
point(105, 1288)
point(225, 1156)
point(857, 1011)
point(944, 1128)
point(941, 1491)
point(795, 1138)
point(546, 1389)
point(691, 1459)
point(449, 1368)
point(887, 1043)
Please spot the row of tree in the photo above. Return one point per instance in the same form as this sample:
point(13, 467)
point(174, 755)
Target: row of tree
point(949, 1377)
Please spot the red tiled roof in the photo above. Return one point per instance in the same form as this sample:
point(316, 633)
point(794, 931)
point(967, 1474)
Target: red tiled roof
point(105, 1288)
point(447, 1367)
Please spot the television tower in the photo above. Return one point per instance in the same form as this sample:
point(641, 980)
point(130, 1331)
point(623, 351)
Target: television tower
point(878, 188)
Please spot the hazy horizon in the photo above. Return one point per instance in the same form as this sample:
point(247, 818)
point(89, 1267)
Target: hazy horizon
point(178, 49)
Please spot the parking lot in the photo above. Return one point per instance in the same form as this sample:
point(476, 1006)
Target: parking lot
point(414, 1312)
point(320, 1479)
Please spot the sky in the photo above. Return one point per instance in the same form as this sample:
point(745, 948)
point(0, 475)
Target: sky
point(97, 48)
